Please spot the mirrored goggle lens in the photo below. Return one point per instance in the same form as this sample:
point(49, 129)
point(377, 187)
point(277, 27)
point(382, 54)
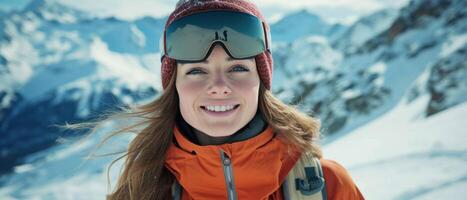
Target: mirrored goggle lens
point(191, 37)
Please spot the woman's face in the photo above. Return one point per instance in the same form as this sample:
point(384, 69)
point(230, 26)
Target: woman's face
point(228, 86)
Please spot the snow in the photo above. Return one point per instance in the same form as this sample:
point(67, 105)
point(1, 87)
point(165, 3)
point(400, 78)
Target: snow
point(453, 44)
point(306, 55)
point(20, 52)
point(447, 191)
point(351, 94)
point(400, 156)
point(66, 172)
point(400, 72)
point(304, 24)
point(138, 36)
point(364, 29)
point(124, 66)
point(378, 68)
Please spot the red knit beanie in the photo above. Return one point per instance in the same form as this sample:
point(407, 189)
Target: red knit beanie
point(264, 62)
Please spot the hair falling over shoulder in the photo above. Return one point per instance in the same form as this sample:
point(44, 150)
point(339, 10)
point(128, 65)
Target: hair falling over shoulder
point(144, 175)
point(291, 126)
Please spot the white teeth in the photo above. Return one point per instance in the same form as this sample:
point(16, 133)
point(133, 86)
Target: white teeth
point(219, 108)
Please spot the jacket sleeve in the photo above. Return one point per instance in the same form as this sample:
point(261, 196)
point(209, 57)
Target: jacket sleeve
point(339, 184)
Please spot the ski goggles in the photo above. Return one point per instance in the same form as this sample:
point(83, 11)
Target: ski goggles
point(190, 38)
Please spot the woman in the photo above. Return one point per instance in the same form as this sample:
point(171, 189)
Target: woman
point(216, 131)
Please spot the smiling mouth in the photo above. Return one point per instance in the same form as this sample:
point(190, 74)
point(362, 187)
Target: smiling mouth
point(220, 110)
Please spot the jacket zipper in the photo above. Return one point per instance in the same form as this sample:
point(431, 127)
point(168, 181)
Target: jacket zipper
point(226, 163)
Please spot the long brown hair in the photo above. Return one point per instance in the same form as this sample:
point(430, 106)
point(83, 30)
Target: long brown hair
point(144, 175)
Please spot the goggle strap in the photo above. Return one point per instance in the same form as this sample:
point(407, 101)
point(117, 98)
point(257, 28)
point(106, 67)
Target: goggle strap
point(267, 35)
point(162, 45)
point(165, 46)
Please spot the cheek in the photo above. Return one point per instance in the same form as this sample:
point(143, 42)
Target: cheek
point(188, 91)
point(187, 87)
point(248, 88)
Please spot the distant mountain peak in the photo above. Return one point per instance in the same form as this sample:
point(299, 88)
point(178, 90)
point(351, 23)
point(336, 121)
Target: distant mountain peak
point(39, 4)
point(302, 14)
point(55, 11)
point(297, 24)
point(305, 13)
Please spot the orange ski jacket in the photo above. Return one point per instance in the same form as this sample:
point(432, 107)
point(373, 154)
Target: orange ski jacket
point(254, 169)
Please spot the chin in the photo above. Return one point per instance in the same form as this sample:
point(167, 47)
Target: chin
point(221, 131)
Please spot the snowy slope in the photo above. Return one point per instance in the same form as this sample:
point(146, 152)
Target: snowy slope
point(57, 172)
point(403, 155)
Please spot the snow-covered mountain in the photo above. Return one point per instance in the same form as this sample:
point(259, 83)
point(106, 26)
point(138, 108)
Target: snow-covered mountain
point(370, 82)
point(390, 91)
point(59, 64)
point(363, 29)
point(444, 83)
point(304, 23)
point(65, 171)
point(336, 30)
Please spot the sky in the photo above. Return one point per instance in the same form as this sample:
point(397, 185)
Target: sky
point(342, 11)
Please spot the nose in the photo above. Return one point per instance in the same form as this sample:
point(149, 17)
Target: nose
point(219, 87)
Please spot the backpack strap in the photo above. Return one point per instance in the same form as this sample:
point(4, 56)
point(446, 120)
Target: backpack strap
point(305, 181)
point(176, 190)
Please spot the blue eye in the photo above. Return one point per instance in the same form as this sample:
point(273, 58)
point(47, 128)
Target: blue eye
point(239, 69)
point(195, 71)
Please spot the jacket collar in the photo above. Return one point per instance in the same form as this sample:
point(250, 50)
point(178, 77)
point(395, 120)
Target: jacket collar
point(244, 147)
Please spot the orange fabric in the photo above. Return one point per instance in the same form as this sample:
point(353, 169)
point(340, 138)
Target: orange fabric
point(339, 184)
point(260, 165)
